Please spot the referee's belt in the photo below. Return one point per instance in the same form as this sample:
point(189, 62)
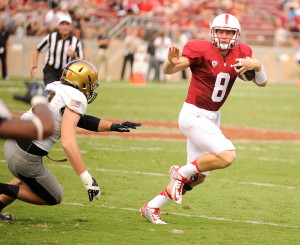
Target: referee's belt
point(29, 147)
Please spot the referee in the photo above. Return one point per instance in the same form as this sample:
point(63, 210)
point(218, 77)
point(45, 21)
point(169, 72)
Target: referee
point(61, 46)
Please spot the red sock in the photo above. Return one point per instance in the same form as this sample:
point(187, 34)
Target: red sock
point(165, 193)
point(196, 165)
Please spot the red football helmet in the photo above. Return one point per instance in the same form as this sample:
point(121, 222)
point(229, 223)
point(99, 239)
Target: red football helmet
point(225, 22)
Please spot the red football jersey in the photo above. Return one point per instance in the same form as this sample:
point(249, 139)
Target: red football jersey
point(212, 75)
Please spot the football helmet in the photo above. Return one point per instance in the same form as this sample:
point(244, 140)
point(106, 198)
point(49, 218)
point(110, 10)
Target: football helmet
point(82, 75)
point(225, 22)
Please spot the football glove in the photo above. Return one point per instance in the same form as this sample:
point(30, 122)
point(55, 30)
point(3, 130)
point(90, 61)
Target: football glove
point(33, 89)
point(186, 187)
point(124, 126)
point(90, 185)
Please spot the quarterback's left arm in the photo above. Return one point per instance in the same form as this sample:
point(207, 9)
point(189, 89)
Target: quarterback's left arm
point(95, 124)
point(260, 78)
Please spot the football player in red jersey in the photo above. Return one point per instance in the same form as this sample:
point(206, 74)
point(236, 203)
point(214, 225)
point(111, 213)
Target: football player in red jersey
point(213, 65)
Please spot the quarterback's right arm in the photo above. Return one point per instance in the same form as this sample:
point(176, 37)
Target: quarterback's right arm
point(174, 63)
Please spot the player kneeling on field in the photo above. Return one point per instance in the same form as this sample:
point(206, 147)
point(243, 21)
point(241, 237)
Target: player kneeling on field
point(68, 100)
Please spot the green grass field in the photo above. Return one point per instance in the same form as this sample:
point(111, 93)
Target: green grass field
point(254, 201)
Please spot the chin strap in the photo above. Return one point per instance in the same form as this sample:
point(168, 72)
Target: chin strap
point(62, 160)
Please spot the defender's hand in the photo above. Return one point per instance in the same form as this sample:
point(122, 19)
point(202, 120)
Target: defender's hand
point(90, 185)
point(124, 127)
point(93, 190)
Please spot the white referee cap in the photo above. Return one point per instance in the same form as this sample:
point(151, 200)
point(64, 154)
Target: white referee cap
point(65, 18)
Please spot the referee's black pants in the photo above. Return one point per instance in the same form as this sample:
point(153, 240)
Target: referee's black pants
point(51, 74)
point(3, 64)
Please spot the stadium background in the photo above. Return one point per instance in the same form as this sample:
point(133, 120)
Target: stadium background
point(271, 27)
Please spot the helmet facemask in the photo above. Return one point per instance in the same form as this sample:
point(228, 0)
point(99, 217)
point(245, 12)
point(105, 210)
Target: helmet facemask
point(232, 42)
point(225, 22)
point(82, 75)
point(92, 95)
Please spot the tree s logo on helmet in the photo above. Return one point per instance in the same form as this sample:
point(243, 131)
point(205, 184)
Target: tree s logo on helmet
point(69, 74)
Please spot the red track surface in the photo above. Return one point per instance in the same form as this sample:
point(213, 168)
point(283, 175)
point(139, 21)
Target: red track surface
point(170, 131)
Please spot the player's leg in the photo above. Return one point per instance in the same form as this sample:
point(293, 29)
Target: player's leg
point(40, 186)
point(15, 189)
point(193, 153)
point(202, 129)
point(151, 209)
point(221, 150)
point(10, 192)
point(193, 181)
point(6, 200)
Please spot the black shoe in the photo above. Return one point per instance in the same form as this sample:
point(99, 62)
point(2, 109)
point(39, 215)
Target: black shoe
point(5, 217)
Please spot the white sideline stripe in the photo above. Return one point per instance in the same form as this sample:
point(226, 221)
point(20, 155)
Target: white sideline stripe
point(190, 215)
point(135, 149)
point(130, 172)
point(231, 181)
point(158, 174)
point(258, 184)
point(270, 159)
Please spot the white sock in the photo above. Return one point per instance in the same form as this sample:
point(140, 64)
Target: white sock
point(188, 170)
point(159, 201)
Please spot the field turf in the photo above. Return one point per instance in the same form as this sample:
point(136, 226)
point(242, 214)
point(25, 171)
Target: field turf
point(254, 201)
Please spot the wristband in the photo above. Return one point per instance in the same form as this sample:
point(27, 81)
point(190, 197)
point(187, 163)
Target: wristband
point(38, 99)
point(115, 127)
point(85, 177)
point(39, 127)
point(261, 76)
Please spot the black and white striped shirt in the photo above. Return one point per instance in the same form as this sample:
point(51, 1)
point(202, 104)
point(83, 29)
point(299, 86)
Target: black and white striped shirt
point(57, 47)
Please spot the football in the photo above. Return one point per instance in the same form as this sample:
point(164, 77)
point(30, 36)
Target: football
point(247, 76)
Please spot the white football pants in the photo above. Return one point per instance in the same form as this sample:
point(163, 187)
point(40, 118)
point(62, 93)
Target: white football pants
point(202, 129)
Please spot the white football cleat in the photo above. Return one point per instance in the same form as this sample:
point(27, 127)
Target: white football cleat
point(151, 214)
point(176, 184)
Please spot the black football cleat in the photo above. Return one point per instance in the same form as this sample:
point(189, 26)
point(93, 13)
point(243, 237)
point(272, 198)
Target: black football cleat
point(5, 217)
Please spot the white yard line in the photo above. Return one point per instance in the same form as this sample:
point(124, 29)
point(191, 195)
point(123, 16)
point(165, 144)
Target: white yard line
point(189, 215)
point(164, 175)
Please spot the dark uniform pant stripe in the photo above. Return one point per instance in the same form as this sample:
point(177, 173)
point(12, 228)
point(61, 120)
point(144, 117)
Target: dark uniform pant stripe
point(38, 189)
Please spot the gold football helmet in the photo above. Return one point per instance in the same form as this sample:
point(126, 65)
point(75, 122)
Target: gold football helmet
point(82, 75)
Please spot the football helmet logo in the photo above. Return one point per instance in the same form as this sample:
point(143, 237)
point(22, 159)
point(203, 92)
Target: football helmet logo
point(82, 75)
point(225, 22)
